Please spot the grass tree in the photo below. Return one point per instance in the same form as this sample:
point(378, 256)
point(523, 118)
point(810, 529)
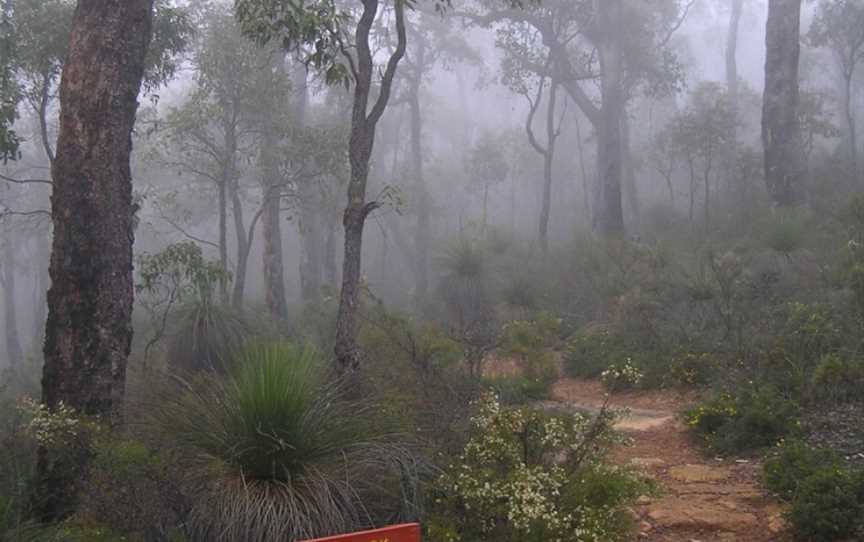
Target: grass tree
point(272, 451)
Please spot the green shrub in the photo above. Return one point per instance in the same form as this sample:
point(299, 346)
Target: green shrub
point(828, 506)
point(790, 465)
point(837, 379)
point(517, 389)
point(691, 369)
point(273, 450)
point(590, 352)
point(786, 232)
point(525, 475)
point(605, 487)
point(531, 343)
point(752, 419)
point(827, 499)
point(130, 489)
point(809, 333)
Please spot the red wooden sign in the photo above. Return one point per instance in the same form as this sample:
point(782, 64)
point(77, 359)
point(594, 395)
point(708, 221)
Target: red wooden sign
point(410, 532)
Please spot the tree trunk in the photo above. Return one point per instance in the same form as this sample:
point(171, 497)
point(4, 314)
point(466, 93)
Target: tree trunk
point(274, 274)
point(629, 170)
point(310, 233)
point(548, 162)
point(310, 215)
point(586, 184)
point(243, 245)
point(849, 113)
point(361, 141)
point(232, 188)
point(331, 270)
point(42, 113)
point(730, 149)
point(421, 264)
point(10, 316)
point(781, 138)
point(485, 218)
point(692, 189)
point(732, 52)
point(40, 287)
point(89, 329)
point(610, 214)
point(223, 236)
point(707, 196)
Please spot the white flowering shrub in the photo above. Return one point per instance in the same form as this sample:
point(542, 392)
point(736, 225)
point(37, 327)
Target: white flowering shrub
point(54, 429)
point(622, 376)
point(527, 475)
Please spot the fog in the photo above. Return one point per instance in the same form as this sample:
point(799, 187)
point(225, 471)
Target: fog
point(462, 102)
point(501, 181)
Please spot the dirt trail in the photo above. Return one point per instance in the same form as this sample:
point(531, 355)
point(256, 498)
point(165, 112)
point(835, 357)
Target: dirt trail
point(700, 499)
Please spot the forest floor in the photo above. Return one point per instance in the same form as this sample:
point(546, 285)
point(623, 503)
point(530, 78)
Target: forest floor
point(699, 498)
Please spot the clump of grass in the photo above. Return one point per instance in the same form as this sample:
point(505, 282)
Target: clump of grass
point(207, 336)
point(463, 259)
point(274, 452)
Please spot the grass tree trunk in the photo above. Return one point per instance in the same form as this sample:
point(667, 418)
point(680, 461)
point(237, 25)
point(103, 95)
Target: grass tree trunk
point(89, 328)
point(610, 214)
point(361, 141)
point(781, 138)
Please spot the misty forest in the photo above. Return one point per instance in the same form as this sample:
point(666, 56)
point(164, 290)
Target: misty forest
point(509, 270)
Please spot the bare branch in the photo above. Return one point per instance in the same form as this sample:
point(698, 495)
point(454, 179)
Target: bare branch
point(36, 212)
point(677, 24)
point(183, 231)
point(24, 181)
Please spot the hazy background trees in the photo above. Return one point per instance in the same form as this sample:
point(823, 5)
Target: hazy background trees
point(217, 155)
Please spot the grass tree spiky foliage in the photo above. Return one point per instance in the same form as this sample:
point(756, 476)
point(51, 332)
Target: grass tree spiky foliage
point(274, 451)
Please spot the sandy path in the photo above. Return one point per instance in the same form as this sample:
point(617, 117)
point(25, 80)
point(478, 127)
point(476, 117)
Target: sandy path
point(700, 499)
